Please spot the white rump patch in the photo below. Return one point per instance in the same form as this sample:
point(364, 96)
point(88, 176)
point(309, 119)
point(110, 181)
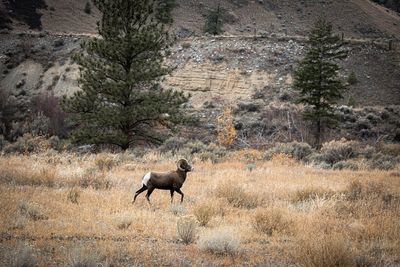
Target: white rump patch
point(146, 178)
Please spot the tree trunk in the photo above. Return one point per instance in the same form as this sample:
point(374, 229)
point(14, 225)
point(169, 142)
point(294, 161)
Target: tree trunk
point(318, 135)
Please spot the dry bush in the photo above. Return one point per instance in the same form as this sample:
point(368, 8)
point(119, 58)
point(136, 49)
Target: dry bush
point(123, 221)
point(345, 165)
point(32, 210)
point(330, 250)
point(226, 132)
point(105, 162)
point(73, 195)
point(311, 193)
point(92, 179)
point(390, 149)
point(178, 209)
point(296, 150)
point(24, 256)
point(357, 190)
point(383, 162)
point(272, 220)
point(86, 257)
point(283, 159)
point(187, 229)
point(220, 241)
point(204, 213)
point(248, 155)
point(335, 151)
point(237, 197)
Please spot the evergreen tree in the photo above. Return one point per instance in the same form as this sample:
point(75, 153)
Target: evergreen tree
point(317, 77)
point(214, 21)
point(164, 9)
point(121, 102)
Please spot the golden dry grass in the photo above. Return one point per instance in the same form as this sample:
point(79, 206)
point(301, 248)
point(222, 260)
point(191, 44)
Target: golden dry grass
point(277, 213)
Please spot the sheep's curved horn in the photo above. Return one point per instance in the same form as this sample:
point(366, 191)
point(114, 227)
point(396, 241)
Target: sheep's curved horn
point(179, 163)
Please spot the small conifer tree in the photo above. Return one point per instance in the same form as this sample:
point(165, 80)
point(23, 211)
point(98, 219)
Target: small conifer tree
point(88, 8)
point(317, 77)
point(214, 21)
point(121, 101)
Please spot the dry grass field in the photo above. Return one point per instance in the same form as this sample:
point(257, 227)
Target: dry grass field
point(75, 210)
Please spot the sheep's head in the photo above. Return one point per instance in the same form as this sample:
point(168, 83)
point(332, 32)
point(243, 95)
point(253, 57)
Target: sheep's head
point(184, 166)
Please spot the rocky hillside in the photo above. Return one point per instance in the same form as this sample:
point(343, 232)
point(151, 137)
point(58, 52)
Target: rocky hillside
point(356, 18)
point(234, 69)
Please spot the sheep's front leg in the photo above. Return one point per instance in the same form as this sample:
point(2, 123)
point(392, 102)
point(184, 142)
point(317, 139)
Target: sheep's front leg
point(172, 195)
point(180, 192)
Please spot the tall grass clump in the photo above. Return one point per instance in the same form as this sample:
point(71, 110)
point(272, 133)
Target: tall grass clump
point(32, 210)
point(330, 250)
point(271, 220)
point(220, 241)
point(310, 193)
point(105, 162)
point(204, 213)
point(86, 257)
point(123, 221)
point(187, 229)
point(73, 195)
point(237, 197)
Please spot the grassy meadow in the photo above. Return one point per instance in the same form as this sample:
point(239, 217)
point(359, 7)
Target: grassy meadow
point(75, 210)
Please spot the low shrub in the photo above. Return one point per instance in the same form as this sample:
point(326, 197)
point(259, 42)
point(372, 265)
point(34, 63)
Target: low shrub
point(178, 209)
point(123, 221)
point(299, 151)
point(24, 256)
point(248, 155)
point(237, 197)
point(73, 195)
point(311, 193)
point(92, 179)
point(204, 213)
point(383, 162)
point(390, 149)
point(220, 241)
point(341, 165)
point(85, 256)
point(271, 220)
point(203, 151)
point(27, 144)
point(335, 151)
point(330, 250)
point(32, 210)
point(357, 190)
point(105, 162)
point(187, 229)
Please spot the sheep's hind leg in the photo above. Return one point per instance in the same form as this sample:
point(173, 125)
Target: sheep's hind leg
point(149, 191)
point(181, 193)
point(144, 188)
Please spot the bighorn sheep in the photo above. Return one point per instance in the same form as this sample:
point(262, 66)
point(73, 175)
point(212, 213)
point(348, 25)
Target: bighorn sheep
point(171, 181)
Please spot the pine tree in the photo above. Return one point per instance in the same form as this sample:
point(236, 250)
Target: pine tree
point(214, 21)
point(317, 77)
point(121, 101)
point(164, 9)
